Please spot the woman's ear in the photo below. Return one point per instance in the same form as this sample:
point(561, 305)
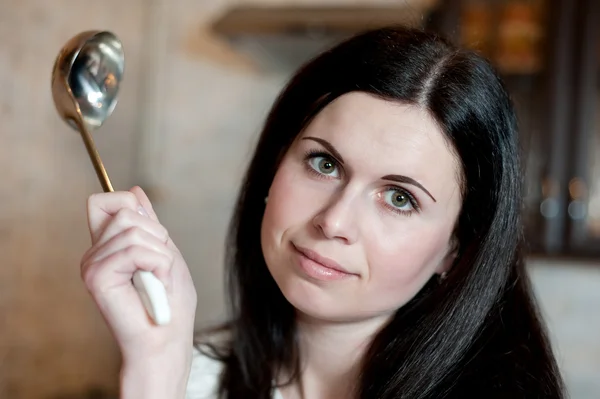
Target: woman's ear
point(448, 261)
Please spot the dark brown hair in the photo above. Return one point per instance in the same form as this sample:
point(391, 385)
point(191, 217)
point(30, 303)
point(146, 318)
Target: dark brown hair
point(478, 333)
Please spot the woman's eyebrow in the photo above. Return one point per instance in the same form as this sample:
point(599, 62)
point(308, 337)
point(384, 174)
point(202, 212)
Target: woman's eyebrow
point(328, 146)
point(408, 180)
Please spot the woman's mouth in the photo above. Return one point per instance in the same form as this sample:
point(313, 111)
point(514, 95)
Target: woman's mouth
point(319, 267)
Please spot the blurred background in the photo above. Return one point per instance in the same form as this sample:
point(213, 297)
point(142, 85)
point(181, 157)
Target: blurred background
point(200, 77)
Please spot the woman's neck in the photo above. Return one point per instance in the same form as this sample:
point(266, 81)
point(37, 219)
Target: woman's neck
point(331, 355)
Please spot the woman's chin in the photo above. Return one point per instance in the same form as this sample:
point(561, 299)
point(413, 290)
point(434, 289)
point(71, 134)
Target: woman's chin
point(317, 304)
point(313, 302)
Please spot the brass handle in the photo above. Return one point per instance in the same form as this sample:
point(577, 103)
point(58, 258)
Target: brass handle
point(94, 155)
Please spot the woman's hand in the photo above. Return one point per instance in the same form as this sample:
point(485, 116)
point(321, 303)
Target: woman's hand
point(126, 237)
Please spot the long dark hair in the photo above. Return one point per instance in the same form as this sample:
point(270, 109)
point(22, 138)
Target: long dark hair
point(477, 333)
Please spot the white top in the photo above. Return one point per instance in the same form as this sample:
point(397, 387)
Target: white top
point(204, 377)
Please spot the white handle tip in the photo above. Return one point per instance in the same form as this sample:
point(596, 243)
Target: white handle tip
point(153, 295)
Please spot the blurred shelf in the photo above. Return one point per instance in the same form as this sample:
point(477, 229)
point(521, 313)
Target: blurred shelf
point(303, 20)
point(283, 37)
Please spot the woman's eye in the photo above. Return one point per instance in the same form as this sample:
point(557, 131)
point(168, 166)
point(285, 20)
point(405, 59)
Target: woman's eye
point(324, 166)
point(399, 199)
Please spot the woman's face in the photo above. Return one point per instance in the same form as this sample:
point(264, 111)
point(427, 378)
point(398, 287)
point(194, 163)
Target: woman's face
point(361, 211)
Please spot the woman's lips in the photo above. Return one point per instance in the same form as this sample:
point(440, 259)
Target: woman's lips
point(320, 267)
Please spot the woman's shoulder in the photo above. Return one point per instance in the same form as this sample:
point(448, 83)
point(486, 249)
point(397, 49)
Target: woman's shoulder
point(206, 368)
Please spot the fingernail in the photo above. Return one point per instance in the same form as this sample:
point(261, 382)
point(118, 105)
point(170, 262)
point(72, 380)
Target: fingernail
point(142, 211)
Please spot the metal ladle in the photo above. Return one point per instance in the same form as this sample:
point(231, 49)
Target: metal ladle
point(85, 82)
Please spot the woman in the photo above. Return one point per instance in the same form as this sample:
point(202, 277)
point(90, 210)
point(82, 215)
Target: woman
point(374, 251)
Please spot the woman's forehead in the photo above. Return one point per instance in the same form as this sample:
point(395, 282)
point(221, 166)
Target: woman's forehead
point(372, 131)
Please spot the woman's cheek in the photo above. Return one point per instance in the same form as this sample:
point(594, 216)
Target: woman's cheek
point(404, 264)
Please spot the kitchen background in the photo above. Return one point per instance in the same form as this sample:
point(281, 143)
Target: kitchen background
point(199, 79)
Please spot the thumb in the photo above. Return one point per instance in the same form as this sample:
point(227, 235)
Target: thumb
point(145, 202)
point(147, 205)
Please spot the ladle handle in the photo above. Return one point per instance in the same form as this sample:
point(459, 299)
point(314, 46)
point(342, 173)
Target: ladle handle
point(150, 289)
point(95, 158)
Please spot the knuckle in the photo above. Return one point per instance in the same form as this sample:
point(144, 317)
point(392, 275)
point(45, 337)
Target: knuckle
point(130, 198)
point(164, 233)
point(158, 230)
point(85, 257)
point(89, 277)
point(133, 251)
point(93, 199)
point(83, 271)
point(135, 234)
point(123, 217)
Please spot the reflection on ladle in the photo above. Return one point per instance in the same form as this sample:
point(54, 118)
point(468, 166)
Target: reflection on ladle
point(85, 83)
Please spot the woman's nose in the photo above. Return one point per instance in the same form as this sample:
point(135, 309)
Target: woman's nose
point(338, 220)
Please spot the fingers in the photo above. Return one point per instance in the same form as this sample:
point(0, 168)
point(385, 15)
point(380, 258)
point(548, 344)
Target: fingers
point(144, 202)
point(124, 220)
point(102, 207)
point(134, 235)
point(117, 269)
point(126, 236)
point(148, 209)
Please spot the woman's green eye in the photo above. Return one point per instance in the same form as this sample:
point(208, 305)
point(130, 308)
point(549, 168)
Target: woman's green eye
point(324, 166)
point(399, 199)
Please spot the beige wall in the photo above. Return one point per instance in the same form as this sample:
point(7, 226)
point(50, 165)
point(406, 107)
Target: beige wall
point(51, 338)
point(188, 115)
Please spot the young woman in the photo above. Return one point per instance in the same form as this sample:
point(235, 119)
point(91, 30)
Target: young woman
point(374, 252)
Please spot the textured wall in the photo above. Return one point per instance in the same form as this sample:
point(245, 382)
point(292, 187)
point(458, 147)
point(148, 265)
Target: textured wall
point(51, 337)
point(184, 128)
